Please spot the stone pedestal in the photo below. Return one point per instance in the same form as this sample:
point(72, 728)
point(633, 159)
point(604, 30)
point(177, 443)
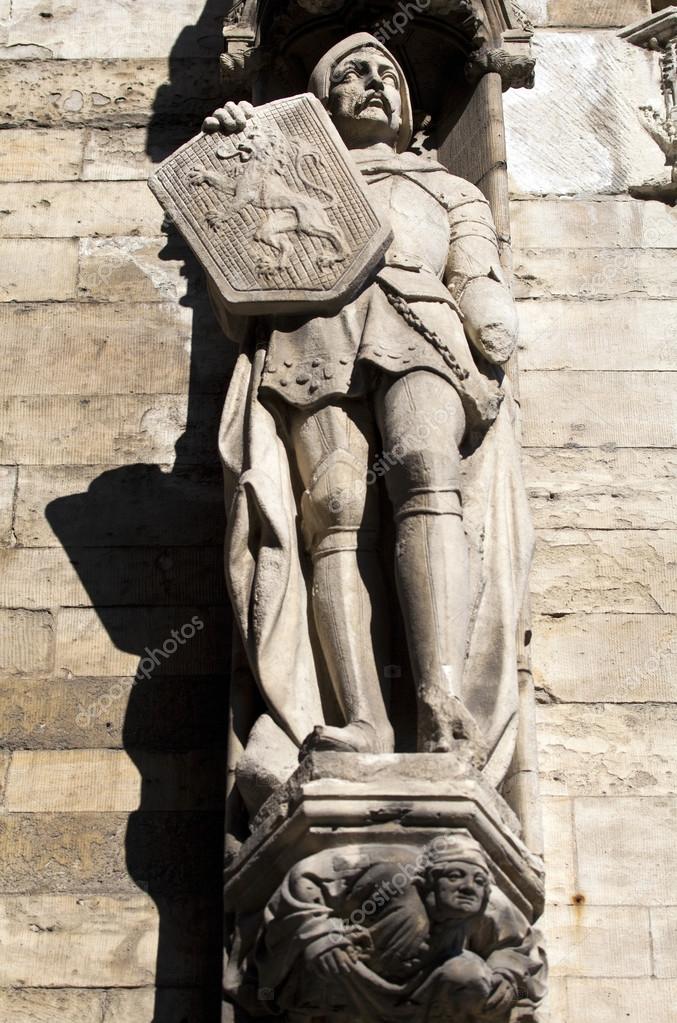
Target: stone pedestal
point(374, 886)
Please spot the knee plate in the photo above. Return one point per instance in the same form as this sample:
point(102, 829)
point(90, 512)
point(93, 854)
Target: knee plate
point(339, 510)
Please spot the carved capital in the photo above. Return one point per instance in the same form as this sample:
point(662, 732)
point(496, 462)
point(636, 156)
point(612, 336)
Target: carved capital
point(517, 71)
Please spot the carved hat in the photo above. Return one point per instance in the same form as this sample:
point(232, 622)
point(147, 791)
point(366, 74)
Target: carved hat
point(320, 80)
point(456, 847)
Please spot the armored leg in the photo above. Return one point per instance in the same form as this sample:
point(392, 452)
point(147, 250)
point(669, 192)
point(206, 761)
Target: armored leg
point(422, 423)
point(340, 514)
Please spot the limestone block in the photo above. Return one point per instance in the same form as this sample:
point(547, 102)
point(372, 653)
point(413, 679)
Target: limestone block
point(36, 578)
point(144, 1005)
point(116, 430)
point(556, 1008)
point(94, 853)
point(42, 1005)
point(138, 270)
point(602, 13)
point(626, 850)
point(8, 478)
point(595, 273)
point(596, 224)
point(26, 641)
point(37, 269)
point(128, 28)
point(605, 571)
point(664, 932)
point(598, 488)
point(588, 89)
point(76, 209)
point(558, 833)
point(108, 349)
point(570, 409)
point(127, 506)
point(614, 750)
point(620, 334)
point(615, 658)
point(109, 781)
point(129, 154)
point(154, 713)
point(100, 941)
point(34, 154)
point(117, 641)
point(108, 93)
point(635, 1001)
point(592, 941)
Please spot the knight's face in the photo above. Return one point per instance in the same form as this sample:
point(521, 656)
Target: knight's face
point(364, 100)
point(460, 892)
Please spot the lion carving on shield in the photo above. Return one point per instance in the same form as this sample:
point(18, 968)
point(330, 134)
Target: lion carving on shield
point(263, 180)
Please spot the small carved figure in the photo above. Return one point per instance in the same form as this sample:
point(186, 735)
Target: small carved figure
point(383, 934)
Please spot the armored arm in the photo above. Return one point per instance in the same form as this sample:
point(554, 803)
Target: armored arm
point(475, 277)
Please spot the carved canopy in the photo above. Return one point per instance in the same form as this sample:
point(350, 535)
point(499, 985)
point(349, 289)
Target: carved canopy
point(271, 45)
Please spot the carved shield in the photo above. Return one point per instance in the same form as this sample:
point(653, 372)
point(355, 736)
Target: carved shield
point(277, 214)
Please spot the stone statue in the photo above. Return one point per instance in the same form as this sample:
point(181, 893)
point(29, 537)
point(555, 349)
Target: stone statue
point(385, 933)
point(384, 431)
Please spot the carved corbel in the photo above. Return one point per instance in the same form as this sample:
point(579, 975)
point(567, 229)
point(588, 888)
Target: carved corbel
point(517, 71)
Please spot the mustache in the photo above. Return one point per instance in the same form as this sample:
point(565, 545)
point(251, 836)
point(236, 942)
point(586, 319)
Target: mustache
point(366, 99)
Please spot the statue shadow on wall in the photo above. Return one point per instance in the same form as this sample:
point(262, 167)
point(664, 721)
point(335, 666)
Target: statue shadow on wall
point(147, 543)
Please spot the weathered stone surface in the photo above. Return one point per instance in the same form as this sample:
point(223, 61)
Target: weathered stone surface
point(640, 1000)
point(608, 750)
point(42, 1005)
point(127, 506)
point(595, 273)
point(128, 154)
point(605, 571)
point(592, 941)
point(120, 644)
point(601, 14)
point(571, 409)
point(558, 831)
point(108, 93)
point(614, 658)
point(117, 349)
point(101, 941)
point(128, 28)
point(26, 641)
point(110, 781)
point(177, 713)
point(117, 430)
point(38, 579)
point(77, 209)
point(633, 865)
point(34, 154)
point(109, 853)
point(8, 477)
point(138, 270)
point(5, 759)
point(38, 270)
point(596, 224)
point(620, 334)
point(588, 88)
point(664, 930)
point(601, 488)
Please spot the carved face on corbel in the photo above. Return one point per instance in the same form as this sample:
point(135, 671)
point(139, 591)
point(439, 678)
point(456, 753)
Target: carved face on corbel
point(365, 99)
point(457, 891)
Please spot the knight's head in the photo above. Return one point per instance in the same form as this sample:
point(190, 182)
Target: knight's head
point(365, 92)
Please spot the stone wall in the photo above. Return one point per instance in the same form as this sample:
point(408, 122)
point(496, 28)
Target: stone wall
point(111, 521)
point(598, 288)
